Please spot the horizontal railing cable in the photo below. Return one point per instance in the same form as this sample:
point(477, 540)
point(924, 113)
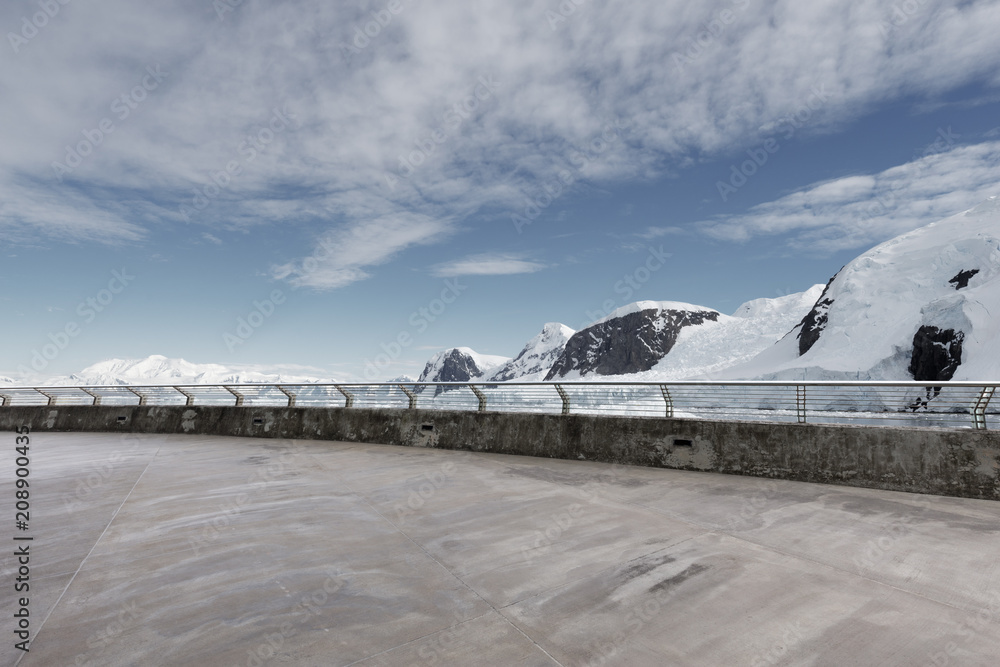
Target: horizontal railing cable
point(941, 404)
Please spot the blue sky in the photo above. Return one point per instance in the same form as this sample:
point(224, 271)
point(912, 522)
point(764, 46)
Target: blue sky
point(272, 158)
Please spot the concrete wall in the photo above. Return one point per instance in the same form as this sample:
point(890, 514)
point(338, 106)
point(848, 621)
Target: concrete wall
point(947, 462)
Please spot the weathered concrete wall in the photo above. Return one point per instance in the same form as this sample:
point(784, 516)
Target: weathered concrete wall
point(946, 462)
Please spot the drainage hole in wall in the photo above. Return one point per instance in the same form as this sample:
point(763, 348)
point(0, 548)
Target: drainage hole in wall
point(427, 427)
point(683, 443)
point(122, 418)
point(257, 421)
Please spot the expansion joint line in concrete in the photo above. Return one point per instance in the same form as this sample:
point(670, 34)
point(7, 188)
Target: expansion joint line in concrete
point(85, 558)
point(418, 639)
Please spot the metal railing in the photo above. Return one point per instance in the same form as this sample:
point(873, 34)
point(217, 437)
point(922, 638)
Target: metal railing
point(942, 404)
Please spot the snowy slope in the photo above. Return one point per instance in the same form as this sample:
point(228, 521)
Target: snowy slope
point(705, 351)
point(459, 364)
point(929, 299)
point(632, 339)
point(158, 369)
point(537, 356)
point(701, 352)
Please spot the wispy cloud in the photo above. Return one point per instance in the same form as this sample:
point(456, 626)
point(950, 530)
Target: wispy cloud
point(412, 93)
point(857, 211)
point(659, 232)
point(488, 264)
point(343, 255)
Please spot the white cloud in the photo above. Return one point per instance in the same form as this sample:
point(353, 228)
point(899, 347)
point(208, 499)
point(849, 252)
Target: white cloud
point(357, 116)
point(488, 264)
point(857, 211)
point(659, 232)
point(343, 253)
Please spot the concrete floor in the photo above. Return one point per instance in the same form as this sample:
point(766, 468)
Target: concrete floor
point(185, 550)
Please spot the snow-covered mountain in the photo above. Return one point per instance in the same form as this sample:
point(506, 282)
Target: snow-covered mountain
point(632, 339)
point(537, 356)
point(460, 364)
point(699, 350)
point(924, 305)
point(702, 352)
point(158, 369)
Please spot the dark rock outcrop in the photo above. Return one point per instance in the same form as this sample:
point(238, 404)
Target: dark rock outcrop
point(814, 322)
point(455, 366)
point(632, 343)
point(937, 354)
point(961, 281)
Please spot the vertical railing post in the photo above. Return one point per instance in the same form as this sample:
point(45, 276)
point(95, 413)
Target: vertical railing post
point(347, 395)
point(412, 396)
point(51, 397)
point(188, 396)
point(481, 396)
point(800, 402)
point(979, 407)
point(97, 397)
point(6, 400)
point(290, 395)
point(238, 395)
point(565, 399)
point(142, 397)
point(668, 399)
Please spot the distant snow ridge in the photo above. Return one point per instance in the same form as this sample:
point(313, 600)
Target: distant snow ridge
point(460, 364)
point(538, 355)
point(924, 305)
point(158, 369)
